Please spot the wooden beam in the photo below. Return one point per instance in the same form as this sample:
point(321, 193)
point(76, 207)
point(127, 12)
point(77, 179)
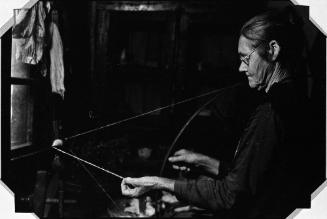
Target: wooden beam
point(10, 22)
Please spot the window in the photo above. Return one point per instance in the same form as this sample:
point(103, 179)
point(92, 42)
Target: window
point(21, 101)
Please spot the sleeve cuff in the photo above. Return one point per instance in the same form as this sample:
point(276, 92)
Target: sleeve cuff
point(180, 187)
point(223, 169)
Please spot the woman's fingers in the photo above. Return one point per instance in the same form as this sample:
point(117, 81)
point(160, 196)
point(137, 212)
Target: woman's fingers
point(129, 180)
point(130, 187)
point(180, 158)
point(176, 167)
point(135, 187)
point(134, 181)
point(186, 169)
point(180, 152)
point(183, 156)
point(182, 168)
point(140, 182)
point(126, 189)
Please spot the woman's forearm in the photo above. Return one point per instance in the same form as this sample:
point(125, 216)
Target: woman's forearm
point(211, 165)
point(165, 184)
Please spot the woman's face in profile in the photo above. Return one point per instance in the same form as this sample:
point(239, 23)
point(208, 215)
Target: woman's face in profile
point(257, 69)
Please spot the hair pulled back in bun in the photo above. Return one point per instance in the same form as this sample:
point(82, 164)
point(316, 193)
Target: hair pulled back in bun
point(284, 26)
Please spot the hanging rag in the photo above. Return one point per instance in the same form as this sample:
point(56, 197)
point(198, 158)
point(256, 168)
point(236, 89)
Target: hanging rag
point(56, 61)
point(29, 33)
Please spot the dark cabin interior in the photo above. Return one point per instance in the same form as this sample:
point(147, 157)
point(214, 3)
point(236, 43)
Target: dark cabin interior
point(128, 59)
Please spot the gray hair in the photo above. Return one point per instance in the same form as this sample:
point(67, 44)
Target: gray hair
point(284, 27)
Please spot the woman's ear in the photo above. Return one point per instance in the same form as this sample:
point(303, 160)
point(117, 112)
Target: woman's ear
point(274, 50)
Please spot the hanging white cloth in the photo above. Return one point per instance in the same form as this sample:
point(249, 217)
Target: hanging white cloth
point(56, 61)
point(29, 33)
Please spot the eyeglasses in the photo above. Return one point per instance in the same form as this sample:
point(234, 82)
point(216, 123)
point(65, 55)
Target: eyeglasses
point(246, 59)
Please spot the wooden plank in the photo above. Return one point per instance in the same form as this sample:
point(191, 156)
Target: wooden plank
point(10, 22)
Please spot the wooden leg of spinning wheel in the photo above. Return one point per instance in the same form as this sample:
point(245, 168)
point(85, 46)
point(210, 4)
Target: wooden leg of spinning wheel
point(61, 199)
point(51, 193)
point(39, 192)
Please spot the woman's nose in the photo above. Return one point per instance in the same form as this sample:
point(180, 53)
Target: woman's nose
point(243, 67)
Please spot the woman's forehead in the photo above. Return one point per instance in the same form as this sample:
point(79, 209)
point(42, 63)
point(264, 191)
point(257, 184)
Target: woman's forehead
point(244, 45)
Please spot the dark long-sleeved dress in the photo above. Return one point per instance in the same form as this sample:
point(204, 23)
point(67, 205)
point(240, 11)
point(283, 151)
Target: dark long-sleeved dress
point(267, 174)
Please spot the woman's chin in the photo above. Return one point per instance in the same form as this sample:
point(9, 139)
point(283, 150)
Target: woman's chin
point(252, 84)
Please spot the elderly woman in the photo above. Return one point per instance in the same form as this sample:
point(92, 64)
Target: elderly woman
point(265, 178)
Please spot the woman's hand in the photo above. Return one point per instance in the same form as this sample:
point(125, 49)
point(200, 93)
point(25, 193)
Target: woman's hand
point(183, 159)
point(135, 187)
